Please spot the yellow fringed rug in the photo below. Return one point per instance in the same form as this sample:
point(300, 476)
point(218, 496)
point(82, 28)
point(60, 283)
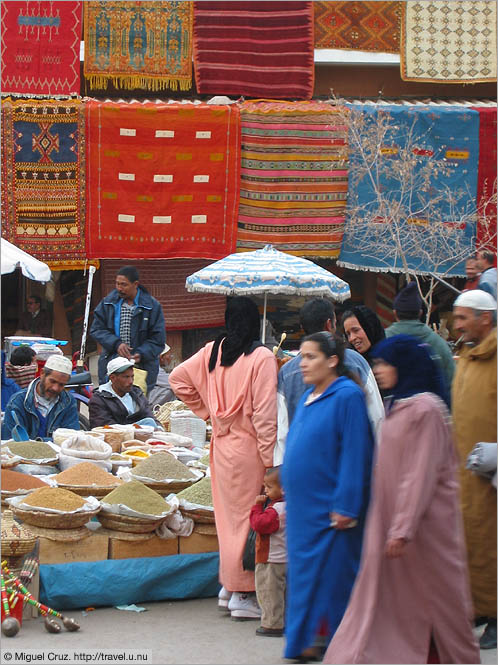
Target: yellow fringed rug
point(138, 44)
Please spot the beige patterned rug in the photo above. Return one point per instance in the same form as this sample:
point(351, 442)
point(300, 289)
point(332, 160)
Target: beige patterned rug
point(449, 42)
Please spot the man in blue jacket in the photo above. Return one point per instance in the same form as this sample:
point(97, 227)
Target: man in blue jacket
point(44, 405)
point(129, 323)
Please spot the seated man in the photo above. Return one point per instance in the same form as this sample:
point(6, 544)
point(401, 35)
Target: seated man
point(22, 366)
point(36, 321)
point(119, 402)
point(44, 405)
point(162, 391)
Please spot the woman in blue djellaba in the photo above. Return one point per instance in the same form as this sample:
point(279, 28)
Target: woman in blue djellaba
point(326, 479)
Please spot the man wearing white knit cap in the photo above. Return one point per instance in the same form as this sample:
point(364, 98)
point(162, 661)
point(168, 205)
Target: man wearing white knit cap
point(44, 405)
point(474, 414)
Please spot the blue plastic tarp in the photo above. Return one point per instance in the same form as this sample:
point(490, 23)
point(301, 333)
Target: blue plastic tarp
point(123, 581)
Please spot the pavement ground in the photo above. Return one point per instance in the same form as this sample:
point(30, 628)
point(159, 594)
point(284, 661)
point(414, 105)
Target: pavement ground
point(175, 632)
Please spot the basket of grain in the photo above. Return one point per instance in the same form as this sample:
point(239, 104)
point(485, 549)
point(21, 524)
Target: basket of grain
point(112, 436)
point(197, 502)
point(164, 473)
point(87, 479)
point(32, 452)
point(9, 461)
point(18, 484)
point(54, 508)
point(134, 508)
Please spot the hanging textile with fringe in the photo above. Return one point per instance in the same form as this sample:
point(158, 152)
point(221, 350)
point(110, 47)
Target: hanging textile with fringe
point(43, 178)
point(138, 44)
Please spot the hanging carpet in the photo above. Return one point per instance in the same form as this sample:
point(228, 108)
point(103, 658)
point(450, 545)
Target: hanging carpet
point(138, 44)
point(41, 47)
point(257, 49)
point(448, 42)
point(486, 178)
point(412, 196)
point(360, 26)
point(43, 178)
point(294, 178)
point(162, 179)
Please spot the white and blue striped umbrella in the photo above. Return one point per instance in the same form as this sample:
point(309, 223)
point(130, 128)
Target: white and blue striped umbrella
point(267, 271)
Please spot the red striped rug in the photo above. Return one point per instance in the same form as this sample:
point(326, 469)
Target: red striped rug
point(256, 49)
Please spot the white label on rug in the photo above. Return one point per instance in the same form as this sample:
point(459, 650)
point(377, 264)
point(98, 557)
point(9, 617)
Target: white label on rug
point(161, 219)
point(127, 132)
point(126, 176)
point(201, 178)
point(203, 135)
point(199, 219)
point(126, 218)
point(164, 133)
point(163, 178)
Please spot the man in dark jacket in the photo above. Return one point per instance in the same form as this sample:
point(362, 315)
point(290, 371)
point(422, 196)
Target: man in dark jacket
point(129, 323)
point(119, 402)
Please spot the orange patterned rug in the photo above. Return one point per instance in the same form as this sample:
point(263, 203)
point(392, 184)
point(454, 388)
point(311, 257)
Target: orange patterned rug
point(361, 26)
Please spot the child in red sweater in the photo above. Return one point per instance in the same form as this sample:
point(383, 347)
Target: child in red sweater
point(271, 554)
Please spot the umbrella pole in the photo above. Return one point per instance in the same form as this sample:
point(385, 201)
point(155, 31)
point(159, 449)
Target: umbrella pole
point(81, 359)
point(263, 336)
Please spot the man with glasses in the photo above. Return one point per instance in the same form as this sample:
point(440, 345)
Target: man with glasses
point(36, 321)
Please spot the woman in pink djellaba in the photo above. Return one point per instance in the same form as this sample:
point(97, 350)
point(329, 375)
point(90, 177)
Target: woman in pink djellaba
point(412, 590)
point(233, 381)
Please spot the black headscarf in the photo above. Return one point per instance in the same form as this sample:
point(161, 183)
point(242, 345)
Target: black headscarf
point(242, 324)
point(370, 323)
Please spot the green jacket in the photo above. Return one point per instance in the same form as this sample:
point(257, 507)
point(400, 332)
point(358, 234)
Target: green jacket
point(441, 351)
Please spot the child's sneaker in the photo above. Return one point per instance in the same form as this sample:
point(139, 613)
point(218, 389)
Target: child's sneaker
point(244, 606)
point(223, 599)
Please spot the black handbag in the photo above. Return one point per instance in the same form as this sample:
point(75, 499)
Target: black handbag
point(249, 555)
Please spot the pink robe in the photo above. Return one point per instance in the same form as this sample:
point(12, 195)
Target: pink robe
point(397, 603)
point(241, 401)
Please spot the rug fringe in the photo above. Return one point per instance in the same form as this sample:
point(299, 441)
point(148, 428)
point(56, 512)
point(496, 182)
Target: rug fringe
point(131, 82)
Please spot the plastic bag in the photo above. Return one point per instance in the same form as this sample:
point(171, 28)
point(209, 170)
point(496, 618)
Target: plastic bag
point(249, 555)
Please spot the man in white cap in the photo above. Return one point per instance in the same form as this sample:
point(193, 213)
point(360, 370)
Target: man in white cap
point(474, 414)
point(119, 402)
point(162, 392)
point(44, 405)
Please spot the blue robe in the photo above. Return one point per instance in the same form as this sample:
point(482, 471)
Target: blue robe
point(327, 468)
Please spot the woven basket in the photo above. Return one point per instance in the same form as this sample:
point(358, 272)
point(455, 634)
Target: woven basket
point(8, 462)
point(123, 535)
point(61, 535)
point(205, 529)
point(89, 490)
point(199, 515)
point(126, 523)
point(189, 425)
point(54, 520)
point(17, 540)
point(7, 495)
point(162, 413)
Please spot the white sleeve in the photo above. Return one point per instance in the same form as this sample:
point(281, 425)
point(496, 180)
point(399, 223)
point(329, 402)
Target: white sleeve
point(282, 429)
point(375, 406)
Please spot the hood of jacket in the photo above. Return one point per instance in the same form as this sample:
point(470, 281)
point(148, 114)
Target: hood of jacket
point(483, 351)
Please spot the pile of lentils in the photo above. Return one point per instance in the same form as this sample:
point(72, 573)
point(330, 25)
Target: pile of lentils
point(138, 497)
point(13, 480)
point(32, 449)
point(86, 474)
point(199, 493)
point(162, 466)
point(56, 498)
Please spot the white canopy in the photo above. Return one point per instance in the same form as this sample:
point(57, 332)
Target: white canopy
point(13, 257)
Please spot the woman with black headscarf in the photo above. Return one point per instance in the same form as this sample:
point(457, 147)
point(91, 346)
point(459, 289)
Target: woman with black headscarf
point(233, 381)
point(413, 585)
point(363, 329)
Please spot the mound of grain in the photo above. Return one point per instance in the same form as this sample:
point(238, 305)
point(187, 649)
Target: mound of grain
point(32, 449)
point(86, 474)
point(162, 466)
point(13, 480)
point(56, 498)
point(199, 493)
point(138, 497)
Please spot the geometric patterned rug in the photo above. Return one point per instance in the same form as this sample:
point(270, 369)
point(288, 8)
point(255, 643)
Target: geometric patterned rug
point(361, 26)
point(449, 42)
point(43, 178)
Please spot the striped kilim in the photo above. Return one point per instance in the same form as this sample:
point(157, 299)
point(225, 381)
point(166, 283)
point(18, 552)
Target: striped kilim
point(363, 26)
point(449, 42)
point(294, 178)
point(256, 49)
point(43, 178)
